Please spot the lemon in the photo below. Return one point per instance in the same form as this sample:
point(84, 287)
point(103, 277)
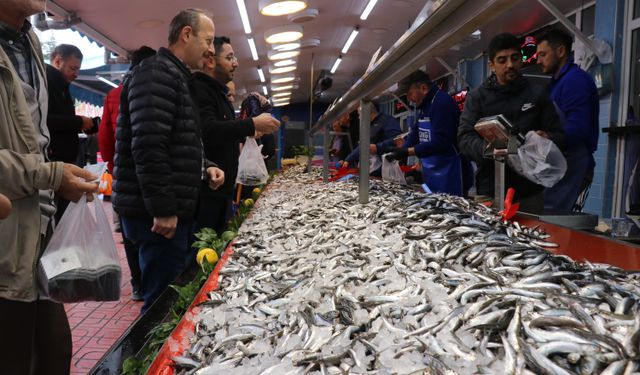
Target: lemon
point(256, 191)
point(248, 202)
point(207, 253)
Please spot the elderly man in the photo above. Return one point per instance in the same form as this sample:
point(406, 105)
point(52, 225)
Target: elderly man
point(159, 162)
point(526, 106)
point(35, 332)
point(221, 132)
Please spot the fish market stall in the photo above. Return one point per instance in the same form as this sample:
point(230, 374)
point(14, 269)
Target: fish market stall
point(407, 283)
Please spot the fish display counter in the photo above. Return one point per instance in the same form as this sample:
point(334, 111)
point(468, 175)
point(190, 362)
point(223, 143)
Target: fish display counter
point(408, 283)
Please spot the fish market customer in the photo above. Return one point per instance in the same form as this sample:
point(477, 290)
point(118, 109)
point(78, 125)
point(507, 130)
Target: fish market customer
point(34, 333)
point(576, 96)
point(107, 144)
point(432, 138)
point(527, 106)
point(221, 132)
point(383, 129)
point(159, 162)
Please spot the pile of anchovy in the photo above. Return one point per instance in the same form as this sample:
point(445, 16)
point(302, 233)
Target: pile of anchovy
point(407, 284)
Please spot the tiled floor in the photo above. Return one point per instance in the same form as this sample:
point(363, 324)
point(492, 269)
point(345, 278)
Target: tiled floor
point(95, 326)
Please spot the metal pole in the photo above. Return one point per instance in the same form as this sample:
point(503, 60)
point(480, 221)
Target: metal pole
point(310, 135)
point(499, 181)
point(325, 155)
point(365, 124)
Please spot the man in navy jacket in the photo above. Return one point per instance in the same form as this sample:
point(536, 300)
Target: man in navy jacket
point(432, 137)
point(576, 97)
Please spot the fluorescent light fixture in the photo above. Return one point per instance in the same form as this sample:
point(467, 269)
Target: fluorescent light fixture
point(281, 7)
point(277, 55)
point(477, 33)
point(281, 99)
point(281, 63)
point(350, 40)
point(283, 34)
point(282, 70)
point(286, 46)
point(264, 90)
point(283, 79)
point(281, 94)
point(281, 88)
point(112, 84)
point(336, 65)
point(280, 104)
point(261, 74)
point(368, 9)
point(252, 47)
point(244, 16)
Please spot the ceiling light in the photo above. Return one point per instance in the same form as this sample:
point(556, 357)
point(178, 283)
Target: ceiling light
point(350, 40)
point(286, 46)
point(252, 47)
point(303, 16)
point(368, 9)
point(284, 69)
point(281, 94)
point(281, 99)
point(283, 79)
point(477, 33)
point(244, 16)
point(336, 64)
point(281, 88)
point(283, 34)
point(281, 7)
point(264, 90)
point(261, 74)
point(277, 55)
point(107, 81)
point(309, 43)
point(280, 104)
point(284, 63)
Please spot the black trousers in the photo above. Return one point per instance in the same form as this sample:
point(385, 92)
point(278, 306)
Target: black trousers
point(35, 338)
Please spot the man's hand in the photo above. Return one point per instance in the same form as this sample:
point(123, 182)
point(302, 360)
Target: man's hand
point(542, 133)
point(373, 149)
point(216, 177)
point(342, 164)
point(87, 123)
point(265, 123)
point(5, 207)
point(75, 183)
point(397, 154)
point(165, 226)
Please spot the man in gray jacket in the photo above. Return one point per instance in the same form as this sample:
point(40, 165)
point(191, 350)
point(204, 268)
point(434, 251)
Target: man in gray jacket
point(36, 338)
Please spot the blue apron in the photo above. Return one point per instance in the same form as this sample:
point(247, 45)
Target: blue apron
point(442, 173)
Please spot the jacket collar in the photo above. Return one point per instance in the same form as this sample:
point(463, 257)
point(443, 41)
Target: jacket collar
point(55, 77)
point(492, 84)
point(433, 89)
point(565, 68)
point(163, 51)
point(9, 33)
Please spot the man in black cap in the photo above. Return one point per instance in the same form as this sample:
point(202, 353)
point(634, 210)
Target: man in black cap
point(432, 137)
point(526, 106)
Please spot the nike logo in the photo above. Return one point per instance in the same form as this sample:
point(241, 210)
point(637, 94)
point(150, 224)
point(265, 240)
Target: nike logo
point(527, 106)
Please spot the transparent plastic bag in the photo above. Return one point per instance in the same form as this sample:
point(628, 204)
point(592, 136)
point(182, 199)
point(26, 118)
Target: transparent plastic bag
point(375, 162)
point(251, 168)
point(539, 160)
point(391, 171)
point(81, 261)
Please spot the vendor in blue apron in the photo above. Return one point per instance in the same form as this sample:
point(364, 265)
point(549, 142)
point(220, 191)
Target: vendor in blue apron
point(432, 138)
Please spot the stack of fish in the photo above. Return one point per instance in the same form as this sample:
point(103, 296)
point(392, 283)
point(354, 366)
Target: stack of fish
point(408, 283)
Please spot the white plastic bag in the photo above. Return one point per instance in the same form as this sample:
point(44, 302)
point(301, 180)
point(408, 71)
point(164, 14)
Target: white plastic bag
point(251, 168)
point(375, 162)
point(81, 261)
point(539, 160)
point(391, 171)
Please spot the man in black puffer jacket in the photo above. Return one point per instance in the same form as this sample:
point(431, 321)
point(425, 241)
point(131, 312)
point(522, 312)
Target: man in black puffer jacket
point(526, 106)
point(159, 161)
point(221, 132)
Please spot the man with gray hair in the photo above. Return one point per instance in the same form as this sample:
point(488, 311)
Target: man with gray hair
point(159, 161)
point(36, 338)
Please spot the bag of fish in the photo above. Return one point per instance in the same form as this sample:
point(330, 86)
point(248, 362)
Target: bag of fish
point(251, 168)
point(391, 172)
point(539, 160)
point(81, 261)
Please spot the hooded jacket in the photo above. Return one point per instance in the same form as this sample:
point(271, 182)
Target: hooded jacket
point(527, 107)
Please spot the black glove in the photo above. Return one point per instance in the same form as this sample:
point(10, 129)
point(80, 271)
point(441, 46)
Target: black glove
point(397, 154)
